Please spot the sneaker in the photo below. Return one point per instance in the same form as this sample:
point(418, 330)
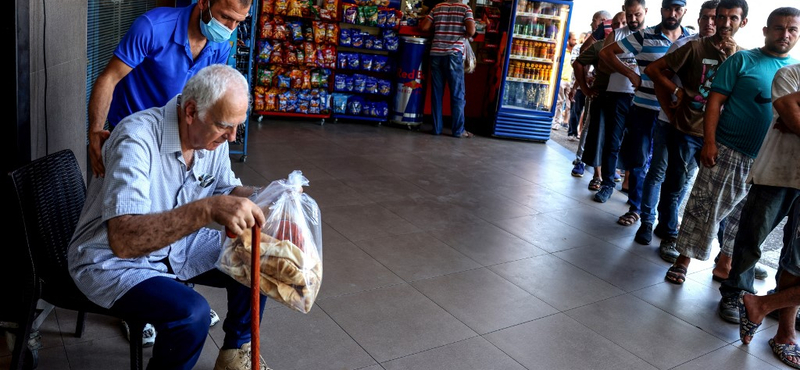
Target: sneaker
point(660, 232)
point(214, 318)
point(645, 233)
point(729, 309)
point(667, 250)
point(148, 334)
point(578, 170)
point(237, 359)
point(603, 194)
point(617, 177)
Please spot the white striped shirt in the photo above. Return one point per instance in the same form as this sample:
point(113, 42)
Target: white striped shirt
point(648, 45)
point(449, 27)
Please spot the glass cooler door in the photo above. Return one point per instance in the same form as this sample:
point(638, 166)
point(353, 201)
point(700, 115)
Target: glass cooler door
point(534, 55)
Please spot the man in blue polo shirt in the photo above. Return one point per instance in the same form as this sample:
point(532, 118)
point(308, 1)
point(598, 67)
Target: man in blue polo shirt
point(160, 52)
point(646, 45)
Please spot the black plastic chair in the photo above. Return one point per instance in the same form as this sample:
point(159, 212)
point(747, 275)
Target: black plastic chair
point(50, 193)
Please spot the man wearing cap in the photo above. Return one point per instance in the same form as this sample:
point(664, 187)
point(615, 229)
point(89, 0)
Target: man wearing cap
point(646, 45)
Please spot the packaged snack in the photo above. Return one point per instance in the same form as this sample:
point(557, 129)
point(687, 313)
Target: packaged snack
point(324, 77)
point(302, 106)
point(379, 62)
point(332, 33)
point(369, 41)
point(342, 60)
point(384, 87)
point(267, 6)
point(297, 31)
point(357, 39)
point(295, 8)
point(319, 32)
point(381, 18)
point(310, 51)
point(350, 13)
point(314, 106)
point(277, 53)
point(280, 7)
point(265, 77)
point(290, 55)
point(329, 56)
point(359, 82)
point(339, 103)
point(344, 37)
point(348, 83)
point(308, 32)
point(284, 81)
point(388, 33)
point(354, 61)
point(281, 31)
point(306, 79)
point(377, 43)
point(267, 27)
point(370, 85)
point(270, 101)
point(366, 62)
point(392, 19)
point(339, 83)
point(355, 105)
point(390, 43)
point(264, 51)
point(258, 98)
point(370, 15)
point(331, 7)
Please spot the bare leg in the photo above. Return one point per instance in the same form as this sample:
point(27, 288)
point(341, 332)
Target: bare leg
point(786, 299)
point(722, 267)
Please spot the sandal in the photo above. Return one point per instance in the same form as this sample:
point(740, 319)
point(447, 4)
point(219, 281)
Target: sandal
point(676, 274)
point(747, 328)
point(784, 351)
point(466, 134)
point(594, 184)
point(628, 219)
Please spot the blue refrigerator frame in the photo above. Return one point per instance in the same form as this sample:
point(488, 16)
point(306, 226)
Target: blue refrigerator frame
point(528, 124)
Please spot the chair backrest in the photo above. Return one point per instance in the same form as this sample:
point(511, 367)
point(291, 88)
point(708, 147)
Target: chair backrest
point(50, 192)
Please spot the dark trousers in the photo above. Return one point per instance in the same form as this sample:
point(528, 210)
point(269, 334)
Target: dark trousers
point(181, 318)
point(682, 152)
point(575, 113)
point(764, 209)
point(636, 150)
point(615, 108)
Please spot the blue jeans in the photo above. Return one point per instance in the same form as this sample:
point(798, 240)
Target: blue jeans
point(636, 148)
point(575, 113)
point(450, 69)
point(180, 315)
point(765, 208)
point(655, 175)
point(682, 152)
point(614, 109)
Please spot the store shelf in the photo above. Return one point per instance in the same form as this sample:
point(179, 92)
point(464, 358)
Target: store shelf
point(534, 38)
point(287, 114)
point(360, 118)
point(530, 59)
point(538, 15)
point(527, 80)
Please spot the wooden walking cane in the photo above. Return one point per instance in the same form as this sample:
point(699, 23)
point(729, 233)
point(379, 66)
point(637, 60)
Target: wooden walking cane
point(255, 297)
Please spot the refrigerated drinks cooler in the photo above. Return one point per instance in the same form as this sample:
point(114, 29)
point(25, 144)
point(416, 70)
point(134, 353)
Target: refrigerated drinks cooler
point(537, 39)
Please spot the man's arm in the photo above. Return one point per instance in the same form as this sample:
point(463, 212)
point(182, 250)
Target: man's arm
point(580, 79)
point(608, 55)
point(708, 155)
point(470, 24)
point(426, 23)
point(662, 80)
point(132, 236)
point(788, 109)
point(587, 43)
point(99, 104)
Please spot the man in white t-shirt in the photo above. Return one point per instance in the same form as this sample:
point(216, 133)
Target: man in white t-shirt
point(775, 194)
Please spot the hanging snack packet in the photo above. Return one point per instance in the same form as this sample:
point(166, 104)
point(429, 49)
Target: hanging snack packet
point(371, 85)
point(366, 62)
point(379, 62)
point(354, 61)
point(357, 39)
point(371, 15)
point(359, 82)
point(339, 82)
point(332, 7)
point(332, 33)
point(267, 6)
point(384, 87)
point(291, 245)
point(369, 41)
point(350, 13)
point(319, 32)
point(355, 105)
point(348, 83)
point(344, 37)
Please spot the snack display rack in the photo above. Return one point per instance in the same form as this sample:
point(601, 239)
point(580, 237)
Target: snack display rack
point(241, 58)
point(368, 41)
point(294, 54)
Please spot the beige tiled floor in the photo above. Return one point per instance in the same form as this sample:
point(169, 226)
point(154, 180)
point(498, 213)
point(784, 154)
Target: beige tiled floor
point(444, 253)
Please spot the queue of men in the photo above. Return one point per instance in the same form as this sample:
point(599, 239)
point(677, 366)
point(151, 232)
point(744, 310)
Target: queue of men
point(698, 115)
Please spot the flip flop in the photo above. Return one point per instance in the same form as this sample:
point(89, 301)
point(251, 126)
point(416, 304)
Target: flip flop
point(784, 351)
point(676, 274)
point(747, 328)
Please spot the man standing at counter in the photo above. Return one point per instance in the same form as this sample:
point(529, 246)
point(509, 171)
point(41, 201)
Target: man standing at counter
point(452, 25)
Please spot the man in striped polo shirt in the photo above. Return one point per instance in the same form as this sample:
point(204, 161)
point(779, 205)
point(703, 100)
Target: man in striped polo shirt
point(452, 25)
point(646, 45)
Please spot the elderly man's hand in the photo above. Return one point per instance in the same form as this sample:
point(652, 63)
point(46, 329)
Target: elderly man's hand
point(237, 214)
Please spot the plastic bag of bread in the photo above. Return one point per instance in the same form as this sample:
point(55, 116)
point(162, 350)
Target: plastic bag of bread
point(291, 245)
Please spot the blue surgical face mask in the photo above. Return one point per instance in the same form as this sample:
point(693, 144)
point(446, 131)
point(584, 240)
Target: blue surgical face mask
point(214, 31)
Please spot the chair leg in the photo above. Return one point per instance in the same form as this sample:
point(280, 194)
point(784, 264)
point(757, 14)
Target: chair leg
point(136, 329)
point(20, 353)
point(81, 324)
